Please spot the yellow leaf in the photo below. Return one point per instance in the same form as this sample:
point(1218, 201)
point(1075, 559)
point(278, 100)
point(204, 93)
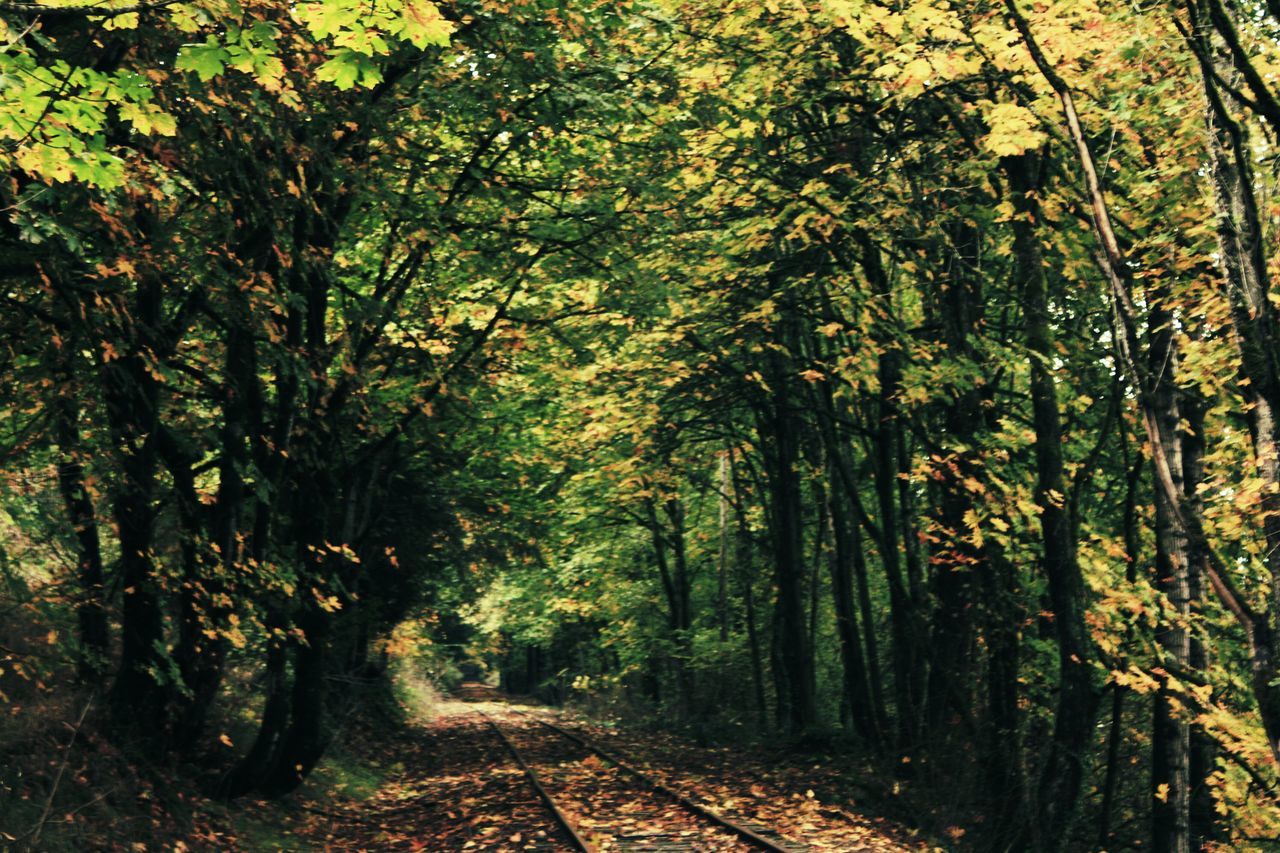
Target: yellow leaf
point(843, 12)
point(424, 25)
point(1014, 130)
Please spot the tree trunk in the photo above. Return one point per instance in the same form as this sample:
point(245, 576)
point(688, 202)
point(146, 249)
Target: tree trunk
point(198, 655)
point(674, 511)
point(722, 561)
point(206, 620)
point(1129, 524)
point(1202, 814)
point(668, 550)
point(252, 770)
point(906, 623)
point(857, 694)
point(868, 629)
point(849, 565)
point(1170, 739)
point(307, 736)
point(1257, 333)
point(909, 669)
point(786, 523)
point(137, 699)
point(757, 657)
point(91, 611)
point(1253, 318)
point(1073, 720)
point(959, 562)
point(744, 565)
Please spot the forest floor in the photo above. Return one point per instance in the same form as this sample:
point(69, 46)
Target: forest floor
point(435, 774)
point(457, 787)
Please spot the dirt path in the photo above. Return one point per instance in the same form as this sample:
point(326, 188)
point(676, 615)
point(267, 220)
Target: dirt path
point(461, 790)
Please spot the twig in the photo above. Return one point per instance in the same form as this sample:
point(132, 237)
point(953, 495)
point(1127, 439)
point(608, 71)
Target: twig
point(96, 799)
point(62, 769)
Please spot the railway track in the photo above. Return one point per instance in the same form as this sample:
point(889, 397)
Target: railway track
point(603, 803)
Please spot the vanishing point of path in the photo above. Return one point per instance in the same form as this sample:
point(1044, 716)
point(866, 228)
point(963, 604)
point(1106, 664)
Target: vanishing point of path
point(493, 776)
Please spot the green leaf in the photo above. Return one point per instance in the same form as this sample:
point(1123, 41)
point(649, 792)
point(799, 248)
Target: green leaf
point(347, 68)
point(328, 19)
point(147, 119)
point(207, 60)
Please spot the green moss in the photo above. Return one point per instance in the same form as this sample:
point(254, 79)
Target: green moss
point(342, 775)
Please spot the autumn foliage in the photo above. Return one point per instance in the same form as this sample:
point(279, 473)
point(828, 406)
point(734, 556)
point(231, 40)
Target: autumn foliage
point(900, 378)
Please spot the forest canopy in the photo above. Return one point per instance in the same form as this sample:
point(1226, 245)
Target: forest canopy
point(903, 375)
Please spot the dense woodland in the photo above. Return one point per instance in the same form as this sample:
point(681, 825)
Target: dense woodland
point(901, 378)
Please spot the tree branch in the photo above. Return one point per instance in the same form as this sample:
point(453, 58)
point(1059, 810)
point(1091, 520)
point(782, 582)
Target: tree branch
point(1113, 266)
point(91, 10)
point(87, 11)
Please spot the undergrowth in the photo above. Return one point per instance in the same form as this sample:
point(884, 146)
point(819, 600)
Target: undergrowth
point(65, 787)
